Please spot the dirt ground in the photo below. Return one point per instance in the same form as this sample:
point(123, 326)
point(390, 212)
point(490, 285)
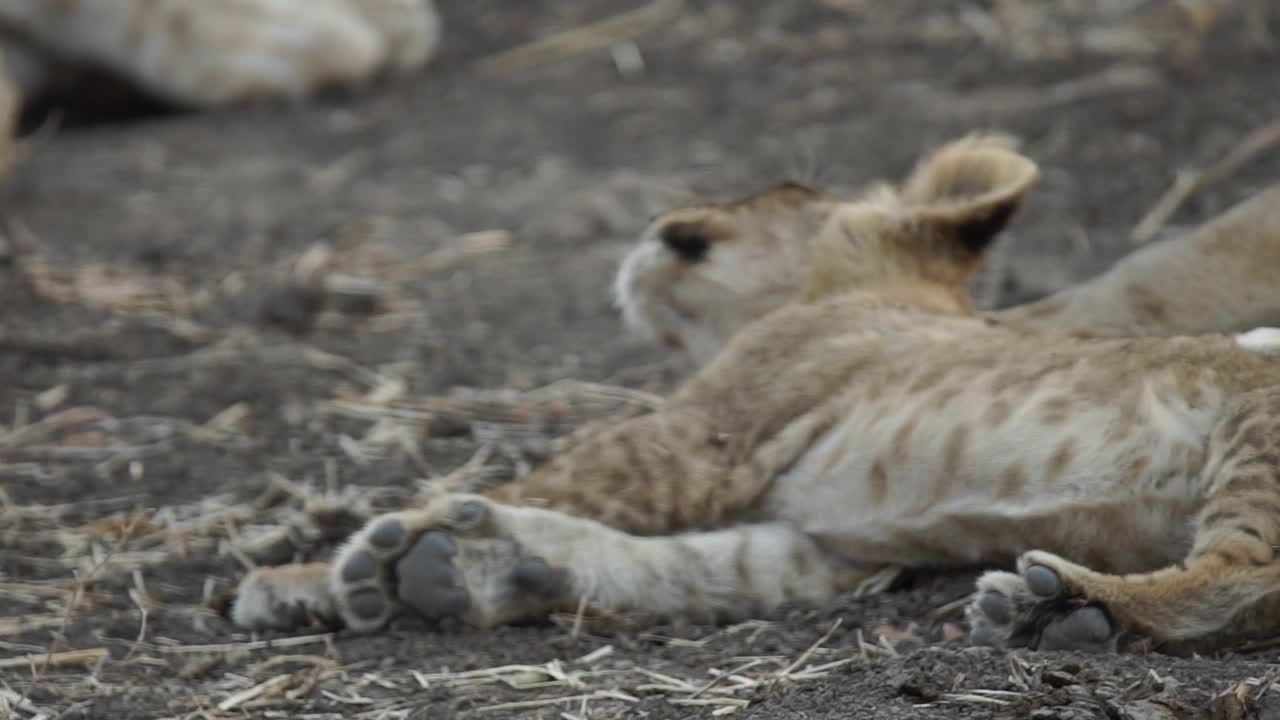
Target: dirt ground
point(177, 402)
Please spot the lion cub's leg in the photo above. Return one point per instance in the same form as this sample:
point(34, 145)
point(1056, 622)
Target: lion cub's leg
point(582, 512)
point(1052, 603)
point(488, 563)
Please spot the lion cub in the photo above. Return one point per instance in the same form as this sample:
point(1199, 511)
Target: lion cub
point(700, 274)
point(200, 53)
point(874, 419)
point(206, 53)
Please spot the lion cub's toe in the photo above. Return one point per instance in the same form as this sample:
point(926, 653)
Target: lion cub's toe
point(1032, 609)
point(993, 610)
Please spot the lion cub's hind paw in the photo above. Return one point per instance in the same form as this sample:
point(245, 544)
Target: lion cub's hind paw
point(456, 558)
point(1030, 609)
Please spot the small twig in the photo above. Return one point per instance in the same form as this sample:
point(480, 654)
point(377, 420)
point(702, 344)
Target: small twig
point(138, 594)
point(579, 615)
point(811, 650)
point(1187, 182)
point(71, 453)
point(624, 26)
point(271, 686)
point(244, 646)
point(475, 244)
point(703, 702)
point(595, 655)
point(725, 676)
point(948, 609)
point(27, 623)
point(60, 421)
point(522, 704)
point(58, 659)
point(973, 698)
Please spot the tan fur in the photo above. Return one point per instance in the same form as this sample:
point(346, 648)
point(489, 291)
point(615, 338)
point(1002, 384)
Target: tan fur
point(10, 107)
point(203, 53)
point(1218, 278)
point(877, 420)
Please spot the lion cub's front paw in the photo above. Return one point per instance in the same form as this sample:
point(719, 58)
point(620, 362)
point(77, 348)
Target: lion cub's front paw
point(1035, 609)
point(282, 598)
point(459, 557)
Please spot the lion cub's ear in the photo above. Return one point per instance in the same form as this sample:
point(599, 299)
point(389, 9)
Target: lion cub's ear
point(969, 188)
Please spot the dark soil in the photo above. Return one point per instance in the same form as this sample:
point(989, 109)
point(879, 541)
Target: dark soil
point(567, 161)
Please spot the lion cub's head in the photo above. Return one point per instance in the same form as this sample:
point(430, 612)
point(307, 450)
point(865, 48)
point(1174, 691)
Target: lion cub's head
point(700, 274)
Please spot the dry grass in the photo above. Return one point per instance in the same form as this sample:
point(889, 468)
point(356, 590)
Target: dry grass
point(612, 32)
point(119, 541)
point(122, 539)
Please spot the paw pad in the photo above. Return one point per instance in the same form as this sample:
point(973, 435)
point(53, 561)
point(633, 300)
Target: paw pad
point(996, 607)
point(367, 604)
point(1042, 581)
point(533, 576)
point(470, 514)
point(984, 636)
point(1086, 629)
point(388, 535)
point(1035, 609)
point(428, 581)
point(359, 567)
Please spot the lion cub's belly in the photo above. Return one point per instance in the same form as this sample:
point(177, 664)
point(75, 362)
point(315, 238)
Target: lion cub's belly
point(910, 483)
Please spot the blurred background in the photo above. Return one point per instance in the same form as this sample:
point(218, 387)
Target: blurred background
point(564, 126)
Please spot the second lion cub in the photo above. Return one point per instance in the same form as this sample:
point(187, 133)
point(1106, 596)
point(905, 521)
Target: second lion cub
point(875, 419)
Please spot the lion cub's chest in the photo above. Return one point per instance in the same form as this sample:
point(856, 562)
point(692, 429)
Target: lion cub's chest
point(960, 461)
